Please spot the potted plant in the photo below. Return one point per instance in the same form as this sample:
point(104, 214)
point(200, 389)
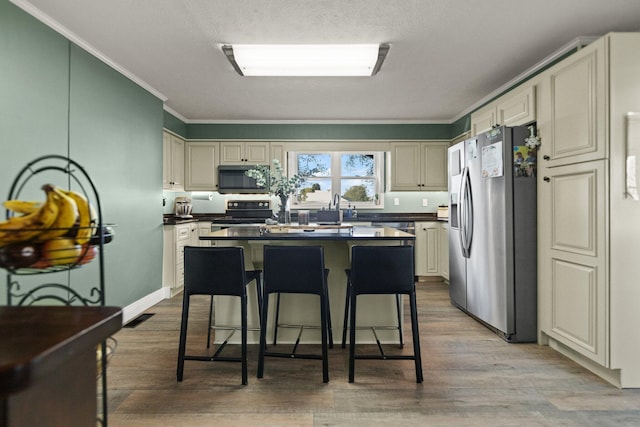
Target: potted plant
point(276, 181)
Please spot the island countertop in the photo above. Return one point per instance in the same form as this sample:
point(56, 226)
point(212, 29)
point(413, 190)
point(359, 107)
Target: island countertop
point(310, 232)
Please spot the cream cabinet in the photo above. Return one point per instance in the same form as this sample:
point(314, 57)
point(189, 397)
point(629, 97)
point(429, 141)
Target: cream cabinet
point(574, 262)
point(175, 238)
point(204, 228)
point(427, 249)
point(242, 152)
point(443, 242)
point(278, 151)
point(419, 166)
point(588, 227)
point(202, 159)
point(514, 108)
point(574, 98)
point(172, 162)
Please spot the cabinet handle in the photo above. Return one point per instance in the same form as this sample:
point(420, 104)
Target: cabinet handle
point(546, 157)
point(546, 179)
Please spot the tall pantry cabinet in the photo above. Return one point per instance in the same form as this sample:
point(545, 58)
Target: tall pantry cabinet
point(589, 228)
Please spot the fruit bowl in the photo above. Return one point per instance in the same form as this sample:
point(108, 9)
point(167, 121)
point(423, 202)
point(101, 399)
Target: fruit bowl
point(55, 254)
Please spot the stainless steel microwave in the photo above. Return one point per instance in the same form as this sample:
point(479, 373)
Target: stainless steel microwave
point(232, 179)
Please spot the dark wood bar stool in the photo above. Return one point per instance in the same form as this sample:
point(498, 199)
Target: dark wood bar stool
point(296, 270)
point(215, 271)
point(383, 270)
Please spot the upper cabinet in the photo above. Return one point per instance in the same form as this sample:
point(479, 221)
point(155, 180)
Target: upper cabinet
point(573, 108)
point(419, 166)
point(512, 109)
point(202, 162)
point(248, 153)
point(172, 162)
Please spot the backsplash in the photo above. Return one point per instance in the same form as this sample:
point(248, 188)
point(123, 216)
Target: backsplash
point(408, 201)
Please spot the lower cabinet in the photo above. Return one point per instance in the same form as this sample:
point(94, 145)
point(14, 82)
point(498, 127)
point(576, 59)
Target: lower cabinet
point(204, 228)
point(427, 248)
point(444, 250)
point(573, 261)
point(175, 238)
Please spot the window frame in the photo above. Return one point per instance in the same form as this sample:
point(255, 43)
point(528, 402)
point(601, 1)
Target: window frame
point(336, 178)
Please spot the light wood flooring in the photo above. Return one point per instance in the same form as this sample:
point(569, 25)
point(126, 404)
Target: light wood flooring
point(471, 377)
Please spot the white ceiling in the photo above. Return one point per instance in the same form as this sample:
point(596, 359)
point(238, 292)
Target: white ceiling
point(445, 56)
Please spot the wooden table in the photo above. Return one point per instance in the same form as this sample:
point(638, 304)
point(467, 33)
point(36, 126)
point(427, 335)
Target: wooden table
point(48, 363)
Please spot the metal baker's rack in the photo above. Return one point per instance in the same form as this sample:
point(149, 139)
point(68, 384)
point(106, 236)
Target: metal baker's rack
point(23, 290)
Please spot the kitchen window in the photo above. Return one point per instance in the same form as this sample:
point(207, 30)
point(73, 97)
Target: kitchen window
point(356, 176)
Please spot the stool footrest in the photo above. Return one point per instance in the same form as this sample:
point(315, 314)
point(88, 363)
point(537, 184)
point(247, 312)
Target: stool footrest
point(213, 358)
point(293, 355)
point(385, 357)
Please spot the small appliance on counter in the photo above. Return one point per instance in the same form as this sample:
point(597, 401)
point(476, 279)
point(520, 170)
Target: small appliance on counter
point(183, 207)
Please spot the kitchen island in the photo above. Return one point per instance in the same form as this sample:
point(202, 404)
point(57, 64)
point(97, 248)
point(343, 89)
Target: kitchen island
point(373, 310)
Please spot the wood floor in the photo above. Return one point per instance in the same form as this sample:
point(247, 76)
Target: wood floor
point(471, 377)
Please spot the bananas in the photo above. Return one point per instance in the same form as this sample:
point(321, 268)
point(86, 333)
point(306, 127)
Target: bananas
point(26, 227)
point(64, 213)
point(88, 219)
point(22, 206)
point(66, 218)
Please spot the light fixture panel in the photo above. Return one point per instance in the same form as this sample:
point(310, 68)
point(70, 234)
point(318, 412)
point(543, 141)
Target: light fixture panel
point(306, 60)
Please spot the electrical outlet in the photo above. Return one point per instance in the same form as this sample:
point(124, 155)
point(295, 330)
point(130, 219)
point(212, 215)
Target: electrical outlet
point(396, 201)
point(425, 202)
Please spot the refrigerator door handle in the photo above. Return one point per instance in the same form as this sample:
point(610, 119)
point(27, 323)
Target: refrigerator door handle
point(462, 212)
point(468, 214)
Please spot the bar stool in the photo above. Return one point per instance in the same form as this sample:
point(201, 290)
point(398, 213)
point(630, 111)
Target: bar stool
point(347, 305)
point(383, 270)
point(252, 275)
point(215, 271)
point(297, 270)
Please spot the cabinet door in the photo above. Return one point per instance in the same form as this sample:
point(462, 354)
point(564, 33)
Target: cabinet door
point(573, 256)
point(277, 151)
point(427, 248)
point(176, 178)
point(202, 166)
point(172, 162)
point(483, 120)
point(166, 161)
point(406, 172)
point(177, 162)
point(237, 152)
point(434, 157)
point(231, 152)
point(444, 250)
point(574, 121)
point(257, 153)
point(517, 108)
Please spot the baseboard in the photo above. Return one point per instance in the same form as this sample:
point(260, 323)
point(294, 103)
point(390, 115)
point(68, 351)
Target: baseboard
point(135, 309)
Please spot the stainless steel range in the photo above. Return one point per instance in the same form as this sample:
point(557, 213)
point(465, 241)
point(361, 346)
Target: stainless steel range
point(242, 213)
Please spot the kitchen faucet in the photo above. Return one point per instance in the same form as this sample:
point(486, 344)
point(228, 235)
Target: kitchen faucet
point(336, 201)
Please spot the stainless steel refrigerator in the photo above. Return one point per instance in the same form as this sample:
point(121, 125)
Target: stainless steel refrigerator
point(492, 238)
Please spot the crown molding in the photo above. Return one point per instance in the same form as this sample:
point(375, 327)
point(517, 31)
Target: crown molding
point(80, 42)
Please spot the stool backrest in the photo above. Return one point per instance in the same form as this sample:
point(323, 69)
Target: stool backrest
point(382, 269)
point(294, 269)
point(214, 270)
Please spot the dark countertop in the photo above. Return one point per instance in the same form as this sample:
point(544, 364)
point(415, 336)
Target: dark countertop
point(354, 233)
point(170, 219)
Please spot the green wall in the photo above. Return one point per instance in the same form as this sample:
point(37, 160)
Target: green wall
point(319, 131)
point(57, 99)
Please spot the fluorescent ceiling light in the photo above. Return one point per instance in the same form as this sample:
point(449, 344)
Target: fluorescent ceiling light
point(306, 60)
